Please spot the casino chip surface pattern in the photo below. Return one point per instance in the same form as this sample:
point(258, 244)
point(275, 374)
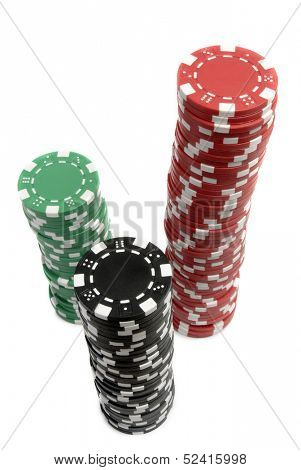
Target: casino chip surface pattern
point(123, 291)
point(226, 109)
point(62, 201)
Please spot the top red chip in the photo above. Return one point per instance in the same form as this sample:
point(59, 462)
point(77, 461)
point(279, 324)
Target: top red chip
point(227, 83)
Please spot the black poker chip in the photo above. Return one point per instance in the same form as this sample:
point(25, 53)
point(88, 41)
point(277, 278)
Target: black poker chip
point(123, 291)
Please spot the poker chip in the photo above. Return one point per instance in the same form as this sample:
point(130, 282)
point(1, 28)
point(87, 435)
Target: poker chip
point(123, 292)
point(61, 199)
point(226, 110)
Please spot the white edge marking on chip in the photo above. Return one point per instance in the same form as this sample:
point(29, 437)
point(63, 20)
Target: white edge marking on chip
point(230, 140)
point(91, 167)
point(268, 94)
point(218, 327)
point(87, 196)
point(227, 47)
point(222, 129)
point(189, 60)
point(102, 311)
point(165, 270)
point(226, 109)
point(98, 247)
point(63, 154)
point(62, 281)
point(52, 211)
point(142, 244)
point(148, 306)
point(203, 130)
point(186, 89)
point(183, 328)
point(30, 166)
point(24, 194)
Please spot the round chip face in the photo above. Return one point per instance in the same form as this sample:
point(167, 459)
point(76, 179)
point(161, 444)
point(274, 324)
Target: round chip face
point(56, 184)
point(226, 82)
point(119, 279)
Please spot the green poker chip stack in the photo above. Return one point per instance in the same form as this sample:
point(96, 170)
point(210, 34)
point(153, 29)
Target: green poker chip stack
point(61, 198)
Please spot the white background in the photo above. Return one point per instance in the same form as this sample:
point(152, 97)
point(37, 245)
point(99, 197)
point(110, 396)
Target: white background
point(115, 62)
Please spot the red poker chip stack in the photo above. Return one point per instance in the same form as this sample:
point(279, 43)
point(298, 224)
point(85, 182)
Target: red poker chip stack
point(226, 103)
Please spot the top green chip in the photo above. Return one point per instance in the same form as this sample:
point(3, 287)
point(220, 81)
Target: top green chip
point(58, 183)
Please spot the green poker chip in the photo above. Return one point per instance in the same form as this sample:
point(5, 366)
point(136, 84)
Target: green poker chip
point(70, 310)
point(58, 278)
point(67, 230)
point(58, 183)
point(74, 231)
point(80, 240)
point(61, 313)
point(62, 201)
point(66, 303)
point(67, 294)
point(65, 223)
point(71, 253)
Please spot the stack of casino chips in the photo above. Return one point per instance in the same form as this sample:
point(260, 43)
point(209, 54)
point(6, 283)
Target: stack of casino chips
point(62, 202)
point(124, 291)
point(226, 106)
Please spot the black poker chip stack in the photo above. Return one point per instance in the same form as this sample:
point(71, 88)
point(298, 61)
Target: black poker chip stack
point(123, 292)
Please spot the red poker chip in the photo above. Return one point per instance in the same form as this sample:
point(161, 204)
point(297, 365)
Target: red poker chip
point(216, 148)
point(222, 126)
point(226, 157)
point(189, 292)
point(195, 303)
point(213, 205)
point(205, 81)
point(212, 275)
point(209, 316)
point(206, 304)
point(200, 331)
point(195, 185)
point(231, 144)
point(206, 317)
point(212, 218)
point(191, 174)
point(210, 280)
point(218, 158)
point(195, 247)
point(203, 180)
point(205, 289)
point(204, 286)
point(203, 256)
point(184, 196)
point(207, 248)
point(196, 244)
point(186, 266)
point(199, 233)
point(197, 222)
point(208, 168)
point(232, 140)
point(202, 319)
point(225, 123)
point(215, 258)
point(184, 104)
point(202, 265)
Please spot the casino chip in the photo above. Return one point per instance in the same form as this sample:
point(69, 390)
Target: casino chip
point(123, 292)
point(226, 104)
point(62, 201)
